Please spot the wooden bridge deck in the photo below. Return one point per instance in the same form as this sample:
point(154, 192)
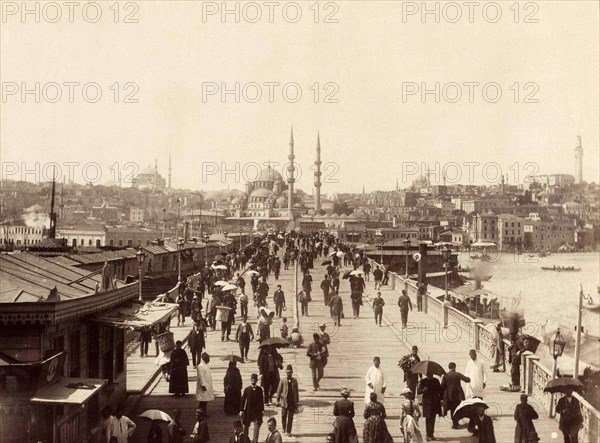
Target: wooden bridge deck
point(352, 349)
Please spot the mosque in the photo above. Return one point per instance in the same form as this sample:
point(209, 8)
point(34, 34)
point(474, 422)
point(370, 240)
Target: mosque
point(270, 198)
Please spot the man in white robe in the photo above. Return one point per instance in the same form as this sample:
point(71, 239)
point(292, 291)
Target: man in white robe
point(375, 381)
point(476, 372)
point(204, 386)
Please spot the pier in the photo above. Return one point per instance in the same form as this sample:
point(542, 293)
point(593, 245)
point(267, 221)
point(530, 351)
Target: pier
point(352, 348)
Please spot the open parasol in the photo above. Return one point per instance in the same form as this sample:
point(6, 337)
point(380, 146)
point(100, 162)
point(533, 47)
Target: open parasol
point(232, 357)
point(325, 262)
point(356, 272)
point(155, 414)
point(229, 287)
point(278, 342)
point(346, 275)
point(221, 283)
point(467, 408)
point(428, 368)
point(563, 384)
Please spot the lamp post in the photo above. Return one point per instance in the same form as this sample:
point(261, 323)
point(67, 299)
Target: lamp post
point(446, 252)
point(379, 234)
point(140, 259)
point(365, 241)
point(206, 238)
point(406, 245)
point(179, 249)
point(226, 234)
point(557, 346)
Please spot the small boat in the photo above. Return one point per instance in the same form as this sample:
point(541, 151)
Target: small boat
point(561, 268)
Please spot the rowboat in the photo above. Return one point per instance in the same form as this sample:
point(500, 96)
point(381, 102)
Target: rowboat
point(561, 268)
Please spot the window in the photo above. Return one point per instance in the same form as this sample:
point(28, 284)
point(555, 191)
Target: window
point(120, 242)
point(130, 242)
point(74, 242)
point(165, 263)
point(90, 242)
point(111, 243)
point(97, 243)
point(82, 242)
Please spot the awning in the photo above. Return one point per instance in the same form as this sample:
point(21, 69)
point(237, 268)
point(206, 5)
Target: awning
point(69, 390)
point(138, 315)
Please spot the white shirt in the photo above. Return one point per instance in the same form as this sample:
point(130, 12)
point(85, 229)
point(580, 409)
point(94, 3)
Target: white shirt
point(377, 379)
point(121, 428)
point(476, 372)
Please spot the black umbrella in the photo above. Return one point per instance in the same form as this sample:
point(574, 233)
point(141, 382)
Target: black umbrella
point(563, 384)
point(278, 342)
point(326, 262)
point(468, 408)
point(428, 368)
point(232, 358)
point(347, 274)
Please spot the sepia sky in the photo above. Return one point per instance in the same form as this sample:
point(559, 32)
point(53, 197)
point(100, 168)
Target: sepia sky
point(369, 70)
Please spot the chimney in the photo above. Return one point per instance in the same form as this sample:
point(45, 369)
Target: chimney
point(186, 231)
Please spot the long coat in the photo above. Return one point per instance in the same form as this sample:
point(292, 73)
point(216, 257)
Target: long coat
point(178, 382)
point(253, 404)
point(344, 431)
point(204, 379)
point(483, 429)
point(524, 414)
point(432, 397)
point(232, 385)
point(453, 391)
point(570, 414)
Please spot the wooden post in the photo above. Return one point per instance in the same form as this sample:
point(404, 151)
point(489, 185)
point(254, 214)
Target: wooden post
point(578, 334)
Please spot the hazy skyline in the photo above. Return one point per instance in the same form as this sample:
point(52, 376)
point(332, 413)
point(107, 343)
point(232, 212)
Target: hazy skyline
point(370, 61)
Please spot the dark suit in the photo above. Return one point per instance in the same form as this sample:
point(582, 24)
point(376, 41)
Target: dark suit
point(289, 399)
point(570, 418)
point(240, 438)
point(431, 403)
point(274, 437)
point(253, 408)
point(483, 429)
point(453, 392)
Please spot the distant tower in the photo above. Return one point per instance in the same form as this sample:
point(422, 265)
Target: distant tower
point(397, 188)
point(578, 161)
point(155, 174)
point(291, 178)
point(502, 185)
point(169, 186)
point(318, 176)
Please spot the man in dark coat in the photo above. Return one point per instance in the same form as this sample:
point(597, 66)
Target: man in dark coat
point(239, 436)
point(197, 341)
point(482, 427)
point(453, 391)
point(269, 362)
point(404, 303)
point(279, 300)
point(570, 417)
point(252, 407)
point(431, 403)
point(288, 397)
point(524, 416)
point(326, 286)
point(178, 382)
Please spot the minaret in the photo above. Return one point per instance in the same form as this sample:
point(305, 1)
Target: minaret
point(397, 187)
point(578, 161)
point(155, 174)
point(169, 186)
point(291, 178)
point(318, 176)
point(502, 182)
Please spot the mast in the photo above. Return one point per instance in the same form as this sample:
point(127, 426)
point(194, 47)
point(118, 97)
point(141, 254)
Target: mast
point(52, 230)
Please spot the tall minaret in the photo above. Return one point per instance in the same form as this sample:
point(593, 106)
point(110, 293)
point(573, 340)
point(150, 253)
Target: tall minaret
point(318, 176)
point(291, 178)
point(155, 174)
point(578, 161)
point(169, 186)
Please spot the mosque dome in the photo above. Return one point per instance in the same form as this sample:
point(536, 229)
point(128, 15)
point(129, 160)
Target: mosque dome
point(261, 193)
point(269, 174)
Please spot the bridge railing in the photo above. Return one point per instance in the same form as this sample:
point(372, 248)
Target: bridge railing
point(534, 376)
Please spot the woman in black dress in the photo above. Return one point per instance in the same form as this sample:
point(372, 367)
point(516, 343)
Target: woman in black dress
point(344, 430)
point(178, 382)
point(232, 385)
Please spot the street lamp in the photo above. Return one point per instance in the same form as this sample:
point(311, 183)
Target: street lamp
point(206, 238)
point(557, 346)
point(446, 252)
point(140, 259)
point(225, 234)
point(365, 241)
point(406, 245)
point(381, 237)
point(179, 249)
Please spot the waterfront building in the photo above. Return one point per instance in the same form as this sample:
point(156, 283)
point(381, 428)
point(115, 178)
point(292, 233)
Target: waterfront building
point(59, 367)
point(510, 232)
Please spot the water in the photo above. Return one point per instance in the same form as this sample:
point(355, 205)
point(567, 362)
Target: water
point(546, 295)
